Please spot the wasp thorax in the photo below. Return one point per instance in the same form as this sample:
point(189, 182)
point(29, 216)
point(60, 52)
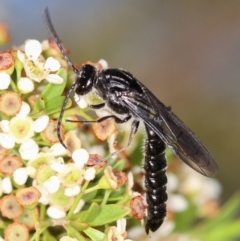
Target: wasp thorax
point(85, 79)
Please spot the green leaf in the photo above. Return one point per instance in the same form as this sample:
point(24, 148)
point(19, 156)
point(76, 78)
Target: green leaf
point(53, 90)
point(94, 234)
point(38, 108)
point(90, 214)
point(184, 220)
point(55, 105)
point(228, 211)
point(228, 231)
point(110, 213)
point(78, 225)
point(119, 165)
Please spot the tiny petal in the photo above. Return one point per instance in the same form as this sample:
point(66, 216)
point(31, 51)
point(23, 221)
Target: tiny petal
point(79, 206)
point(130, 180)
point(44, 199)
point(56, 213)
point(20, 176)
point(66, 238)
point(52, 64)
point(52, 184)
point(81, 101)
point(54, 79)
point(58, 166)
point(21, 55)
point(6, 141)
point(4, 80)
point(80, 157)
point(40, 123)
point(121, 225)
point(33, 49)
point(58, 149)
point(25, 85)
point(72, 191)
point(25, 110)
point(89, 174)
point(104, 63)
point(29, 149)
point(6, 185)
point(4, 124)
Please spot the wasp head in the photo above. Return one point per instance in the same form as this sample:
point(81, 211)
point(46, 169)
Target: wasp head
point(85, 79)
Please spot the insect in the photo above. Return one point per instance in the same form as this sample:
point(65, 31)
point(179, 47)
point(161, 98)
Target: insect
point(128, 97)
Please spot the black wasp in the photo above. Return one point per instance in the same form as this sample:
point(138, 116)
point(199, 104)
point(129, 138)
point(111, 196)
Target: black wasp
point(128, 97)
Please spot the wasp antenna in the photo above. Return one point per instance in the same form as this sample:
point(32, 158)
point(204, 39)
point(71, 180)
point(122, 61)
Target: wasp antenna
point(57, 40)
point(61, 114)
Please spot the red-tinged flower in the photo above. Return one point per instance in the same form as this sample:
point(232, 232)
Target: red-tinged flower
point(16, 231)
point(9, 164)
point(104, 129)
point(6, 62)
point(10, 103)
point(26, 218)
point(138, 207)
point(28, 196)
point(121, 177)
point(9, 207)
point(50, 132)
point(96, 161)
point(72, 141)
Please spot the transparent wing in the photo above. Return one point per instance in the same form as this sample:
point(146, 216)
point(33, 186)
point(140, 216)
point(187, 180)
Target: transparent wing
point(179, 138)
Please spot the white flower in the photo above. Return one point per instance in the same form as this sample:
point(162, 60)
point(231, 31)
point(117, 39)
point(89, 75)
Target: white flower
point(25, 85)
point(79, 206)
point(25, 110)
point(5, 80)
point(21, 128)
point(52, 184)
point(29, 150)
point(20, 176)
point(6, 185)
point(72, 191)
point(40, 123)
point(35, 66)
point(89, 174)
point(6, 141)
point(80, 157)
point(56, 213)
point(203, 188)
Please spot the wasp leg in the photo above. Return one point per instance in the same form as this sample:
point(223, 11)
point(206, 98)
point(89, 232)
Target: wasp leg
point(98, 106)
point(116, 119)
point(134, 129)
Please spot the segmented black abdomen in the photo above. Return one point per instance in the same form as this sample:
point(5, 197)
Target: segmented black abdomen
point(155, 180)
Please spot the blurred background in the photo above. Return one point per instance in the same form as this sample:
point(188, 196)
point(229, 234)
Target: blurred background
point(187, 52)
